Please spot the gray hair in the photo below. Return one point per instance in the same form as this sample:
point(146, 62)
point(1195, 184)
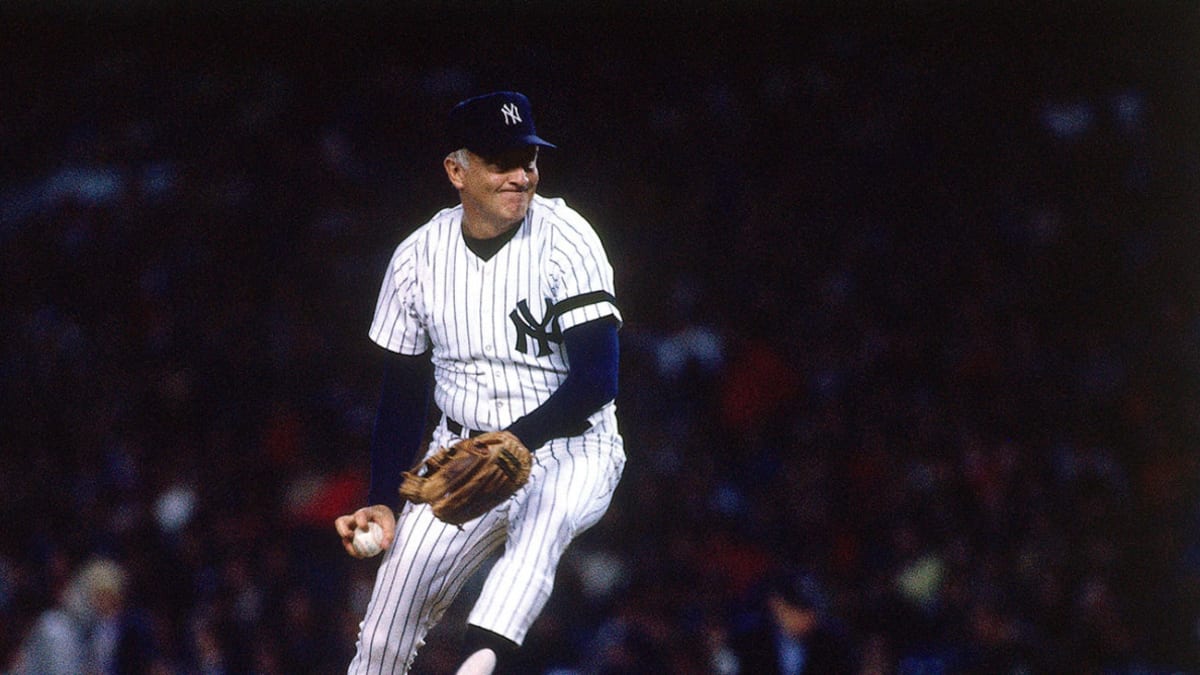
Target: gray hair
point(462, 157)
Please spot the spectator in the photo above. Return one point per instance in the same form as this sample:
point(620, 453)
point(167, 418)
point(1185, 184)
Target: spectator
point(789, 629)
point(89, 631)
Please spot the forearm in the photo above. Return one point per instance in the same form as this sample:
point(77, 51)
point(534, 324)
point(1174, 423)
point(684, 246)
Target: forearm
point(593, 349)
point(399, 423)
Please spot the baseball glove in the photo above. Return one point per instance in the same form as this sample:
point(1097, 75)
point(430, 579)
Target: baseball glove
point(469, 478)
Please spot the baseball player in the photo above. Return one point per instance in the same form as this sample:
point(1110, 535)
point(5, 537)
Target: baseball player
point(503, 309)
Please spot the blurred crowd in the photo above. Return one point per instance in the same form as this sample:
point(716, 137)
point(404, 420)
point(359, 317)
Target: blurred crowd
point(910, 365)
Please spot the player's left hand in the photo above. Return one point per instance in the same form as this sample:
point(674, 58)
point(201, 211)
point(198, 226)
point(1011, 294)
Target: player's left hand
point(469, 478)
point(378, 513)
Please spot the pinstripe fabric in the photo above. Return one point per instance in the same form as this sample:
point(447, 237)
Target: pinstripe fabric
point(575, 481)
point(416, 582)
point(439, 294)
point(494, 328)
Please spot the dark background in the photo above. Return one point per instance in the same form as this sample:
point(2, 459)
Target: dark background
point(910, 295)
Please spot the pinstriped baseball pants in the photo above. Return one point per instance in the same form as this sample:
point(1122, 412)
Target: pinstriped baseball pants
point(569, 490)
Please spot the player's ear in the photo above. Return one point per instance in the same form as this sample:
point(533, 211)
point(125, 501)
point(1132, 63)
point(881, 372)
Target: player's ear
point(454, 171)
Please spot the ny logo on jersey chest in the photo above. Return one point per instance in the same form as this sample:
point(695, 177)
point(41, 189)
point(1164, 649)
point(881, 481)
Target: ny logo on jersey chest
point(543, 332)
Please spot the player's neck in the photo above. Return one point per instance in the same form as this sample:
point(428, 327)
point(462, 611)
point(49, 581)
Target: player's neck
point(487, 248)
point(480, 228)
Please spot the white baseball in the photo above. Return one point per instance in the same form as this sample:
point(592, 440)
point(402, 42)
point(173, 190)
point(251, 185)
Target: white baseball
point(368, 542)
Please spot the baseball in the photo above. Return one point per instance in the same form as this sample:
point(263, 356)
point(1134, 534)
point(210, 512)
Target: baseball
point(368, 542)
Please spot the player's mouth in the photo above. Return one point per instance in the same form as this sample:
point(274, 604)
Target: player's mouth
point(516, 200)
point(516, 195)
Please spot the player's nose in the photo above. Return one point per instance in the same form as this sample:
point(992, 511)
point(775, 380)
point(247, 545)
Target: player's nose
point(520, 177)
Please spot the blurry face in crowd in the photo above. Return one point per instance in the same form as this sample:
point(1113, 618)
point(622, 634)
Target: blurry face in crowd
point(107, 602)
point(495, 191)
point(793, 620)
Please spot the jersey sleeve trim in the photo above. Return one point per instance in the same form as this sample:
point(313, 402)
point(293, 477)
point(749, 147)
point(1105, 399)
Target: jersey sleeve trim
point(573, 311)
point(585, 299)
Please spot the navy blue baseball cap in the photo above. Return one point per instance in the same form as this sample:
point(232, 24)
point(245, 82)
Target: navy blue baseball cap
point(493, 123)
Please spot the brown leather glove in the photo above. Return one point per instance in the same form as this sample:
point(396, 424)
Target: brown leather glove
point(469, 478)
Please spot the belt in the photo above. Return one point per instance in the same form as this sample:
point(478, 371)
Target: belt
point(457, 429)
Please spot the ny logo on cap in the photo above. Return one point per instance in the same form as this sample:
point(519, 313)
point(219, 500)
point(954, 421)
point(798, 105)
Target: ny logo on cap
point(511, 114)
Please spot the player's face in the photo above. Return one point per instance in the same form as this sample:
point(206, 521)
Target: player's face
point(495, 191)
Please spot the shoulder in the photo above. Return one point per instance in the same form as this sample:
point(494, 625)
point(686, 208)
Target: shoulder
point(554, 211)
point(565, 227)
point(55, 625)
point(442, 223)
point(427, 236)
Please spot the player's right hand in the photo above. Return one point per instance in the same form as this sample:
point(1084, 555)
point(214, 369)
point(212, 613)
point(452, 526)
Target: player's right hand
point(378, 513)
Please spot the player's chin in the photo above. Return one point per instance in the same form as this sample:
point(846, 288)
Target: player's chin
point(514, 212)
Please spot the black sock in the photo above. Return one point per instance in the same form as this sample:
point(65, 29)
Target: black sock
point(481, 638)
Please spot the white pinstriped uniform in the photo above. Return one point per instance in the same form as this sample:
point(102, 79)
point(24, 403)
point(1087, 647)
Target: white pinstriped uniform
point(494, 327)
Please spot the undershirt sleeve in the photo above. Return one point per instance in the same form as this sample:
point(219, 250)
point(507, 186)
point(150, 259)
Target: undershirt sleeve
point(594, 353)
point(399, 423)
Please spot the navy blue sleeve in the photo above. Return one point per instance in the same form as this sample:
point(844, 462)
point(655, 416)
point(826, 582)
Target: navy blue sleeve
point(399, 423)
point(594, 353)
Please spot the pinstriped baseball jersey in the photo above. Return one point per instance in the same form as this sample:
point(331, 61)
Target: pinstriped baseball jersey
point(495, 326)
point(569, 491)
point(494, 329)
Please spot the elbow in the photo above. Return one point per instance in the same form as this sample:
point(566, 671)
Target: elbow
point(604, 391)
point(608, 392)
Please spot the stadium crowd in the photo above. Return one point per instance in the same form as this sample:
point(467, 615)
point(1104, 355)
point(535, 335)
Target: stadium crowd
point(912, 333)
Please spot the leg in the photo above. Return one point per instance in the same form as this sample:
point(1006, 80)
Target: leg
point(572, 484)
point(416, 582)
